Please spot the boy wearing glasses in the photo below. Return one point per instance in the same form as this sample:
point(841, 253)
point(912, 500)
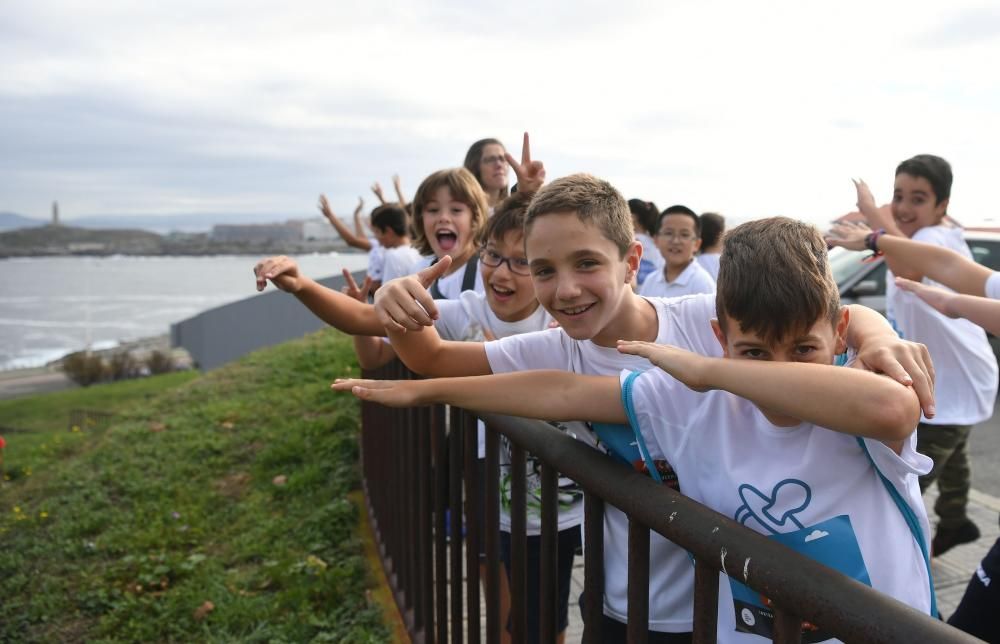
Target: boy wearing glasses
point(678, 238)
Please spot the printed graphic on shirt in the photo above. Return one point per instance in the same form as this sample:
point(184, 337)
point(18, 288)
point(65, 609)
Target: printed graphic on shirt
point(832, 543)
point(569, 493)
point(620, 442)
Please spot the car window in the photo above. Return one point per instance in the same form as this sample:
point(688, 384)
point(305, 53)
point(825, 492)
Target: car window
point(986, 252)
point(846, 263)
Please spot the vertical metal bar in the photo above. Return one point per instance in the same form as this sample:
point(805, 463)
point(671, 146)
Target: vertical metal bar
point(706, 603)
point(638, 582)
point(439, 445)
point(455, 514)
point(425, 588)
point(518, 545)
point(404, 440)
point(492, 537)
point(593, 568)
point(473, 510)
point(548, 594)
point(787, 627)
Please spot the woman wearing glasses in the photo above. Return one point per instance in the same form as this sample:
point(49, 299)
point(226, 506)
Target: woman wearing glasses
point(487, 161)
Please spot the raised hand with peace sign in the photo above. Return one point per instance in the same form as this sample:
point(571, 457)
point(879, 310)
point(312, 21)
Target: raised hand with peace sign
point(530, 174)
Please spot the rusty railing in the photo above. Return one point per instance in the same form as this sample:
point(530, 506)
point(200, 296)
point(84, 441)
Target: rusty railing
point(418, 462)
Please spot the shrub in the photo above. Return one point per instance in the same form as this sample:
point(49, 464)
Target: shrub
point(159, 362)
point(122, 366)
point(84, 368)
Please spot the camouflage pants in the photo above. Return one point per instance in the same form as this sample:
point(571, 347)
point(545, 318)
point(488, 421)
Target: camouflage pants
point(947, 446)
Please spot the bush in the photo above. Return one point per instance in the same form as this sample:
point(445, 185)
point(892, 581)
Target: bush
point(122, 366)
point(159, 362)
point(84, 368)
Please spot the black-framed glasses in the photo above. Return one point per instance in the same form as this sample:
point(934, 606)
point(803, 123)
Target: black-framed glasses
point(682, 235)
point(493, 259)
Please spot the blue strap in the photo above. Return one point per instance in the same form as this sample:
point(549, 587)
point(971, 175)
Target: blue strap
point(634, 424)
point(911, 520)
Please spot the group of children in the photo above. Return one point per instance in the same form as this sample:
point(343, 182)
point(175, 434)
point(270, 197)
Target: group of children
point(822, 458)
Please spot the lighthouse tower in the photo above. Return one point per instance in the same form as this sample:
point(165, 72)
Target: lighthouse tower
point(55, 213)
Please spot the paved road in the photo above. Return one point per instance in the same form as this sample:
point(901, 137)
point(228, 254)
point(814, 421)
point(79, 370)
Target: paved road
point(985, 454)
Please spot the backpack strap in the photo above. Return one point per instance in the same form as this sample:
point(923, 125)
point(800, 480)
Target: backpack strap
point(634, 424)
point(911, 521)
point(468, 279)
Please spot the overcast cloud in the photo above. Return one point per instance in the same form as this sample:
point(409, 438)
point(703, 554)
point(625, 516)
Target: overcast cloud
point(124, 108)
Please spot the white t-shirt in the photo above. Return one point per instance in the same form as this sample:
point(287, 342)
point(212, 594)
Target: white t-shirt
point(710, 262)
point(965, 387)
point(466, 319)
point(993, 286)
point(693, 279)
point(399, 261)
point(375, 260)
point(797, 482)
point(683, 322)
point(451, 285)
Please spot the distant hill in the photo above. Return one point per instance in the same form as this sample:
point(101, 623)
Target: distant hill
point(12, 221)
point(185, 223)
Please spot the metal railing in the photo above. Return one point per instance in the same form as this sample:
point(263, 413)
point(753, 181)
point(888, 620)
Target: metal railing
point(417, 463)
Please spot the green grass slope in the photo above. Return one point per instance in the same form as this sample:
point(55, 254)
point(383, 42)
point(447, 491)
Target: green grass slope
point(211, 508)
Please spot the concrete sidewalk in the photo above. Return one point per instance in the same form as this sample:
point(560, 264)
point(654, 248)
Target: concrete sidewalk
point(953, 570)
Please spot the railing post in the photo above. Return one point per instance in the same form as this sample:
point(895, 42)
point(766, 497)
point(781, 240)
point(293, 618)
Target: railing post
point(518, 545)
point(787, 627)
point(638, 582)
point(469, 426)
point(455, 513)
point(548, 593)
point(706, 604)
point(492, 537)
point(593, 569)
point(439, 446)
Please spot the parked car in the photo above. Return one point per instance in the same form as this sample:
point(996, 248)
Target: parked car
point(863, 282)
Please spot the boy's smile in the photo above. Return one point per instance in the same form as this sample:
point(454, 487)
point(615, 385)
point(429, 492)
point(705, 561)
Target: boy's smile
point(509, 295)
point(914, 204)
point(579, 276)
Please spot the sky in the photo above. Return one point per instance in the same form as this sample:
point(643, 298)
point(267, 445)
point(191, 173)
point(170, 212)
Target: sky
point(748, 109)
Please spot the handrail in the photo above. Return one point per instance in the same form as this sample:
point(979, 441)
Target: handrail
point(404, 455)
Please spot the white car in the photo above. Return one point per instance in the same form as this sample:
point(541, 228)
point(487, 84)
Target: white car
point(863, 282)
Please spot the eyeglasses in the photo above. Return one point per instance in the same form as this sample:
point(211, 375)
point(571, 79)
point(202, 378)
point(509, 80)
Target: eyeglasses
point(496, 158)
point(493, 259)
point(681, 235)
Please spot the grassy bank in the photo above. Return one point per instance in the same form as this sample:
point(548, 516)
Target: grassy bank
point(210, 508)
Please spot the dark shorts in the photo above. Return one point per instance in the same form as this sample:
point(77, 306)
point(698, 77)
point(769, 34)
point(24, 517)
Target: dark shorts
point(977, 613)
point(569, 540)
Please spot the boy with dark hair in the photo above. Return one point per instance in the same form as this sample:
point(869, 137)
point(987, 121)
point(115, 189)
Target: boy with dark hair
point(713, 225)
point(821, 458)
point(678, 237)
point(390, 227)
point(967, 387)
point(583, 257)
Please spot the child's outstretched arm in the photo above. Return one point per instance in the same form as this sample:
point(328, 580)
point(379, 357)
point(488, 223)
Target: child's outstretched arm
point(936, 262)
point(407, 311)
point(352, 240)
point(851, 401)
point(371, 352)
point(398, 186)
point(978, 310)
point(336, 309)
point(882, 218)
point(567, 396)
point(880, 349)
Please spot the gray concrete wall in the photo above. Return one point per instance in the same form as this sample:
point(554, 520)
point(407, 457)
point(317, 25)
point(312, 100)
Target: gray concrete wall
point(223, 334)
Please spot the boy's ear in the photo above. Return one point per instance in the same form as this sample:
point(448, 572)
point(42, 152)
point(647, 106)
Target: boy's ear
point(697, 244)
point(942, 208)
point(720, 335)
point(840, 329)
point(633, 255)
